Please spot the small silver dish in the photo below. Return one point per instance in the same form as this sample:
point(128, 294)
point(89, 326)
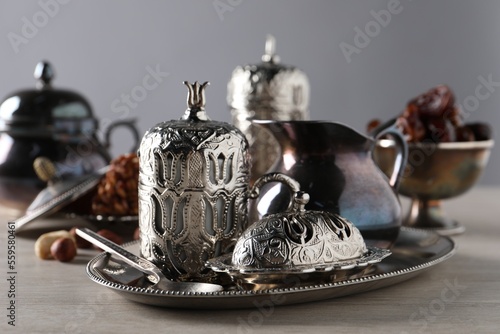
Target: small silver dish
point(372, 255)
point(320, 244)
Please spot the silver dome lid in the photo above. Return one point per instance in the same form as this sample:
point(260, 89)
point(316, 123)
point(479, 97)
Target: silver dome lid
point(298, 238)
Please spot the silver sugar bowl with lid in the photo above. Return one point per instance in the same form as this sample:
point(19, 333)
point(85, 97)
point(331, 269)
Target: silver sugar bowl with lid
point(317, 246)
point(193, 188)
point(266, 91)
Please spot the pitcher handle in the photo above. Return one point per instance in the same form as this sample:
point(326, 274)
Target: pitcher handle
point(401, 154)
point(130, 124)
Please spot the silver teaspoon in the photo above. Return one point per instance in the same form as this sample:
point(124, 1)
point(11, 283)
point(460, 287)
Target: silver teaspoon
point(154, 274)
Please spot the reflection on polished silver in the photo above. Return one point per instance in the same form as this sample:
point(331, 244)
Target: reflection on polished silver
point(298, 240)
point(267, 91)
point(193, 186)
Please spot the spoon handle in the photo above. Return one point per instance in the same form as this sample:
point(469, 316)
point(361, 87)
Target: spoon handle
point(110, 247)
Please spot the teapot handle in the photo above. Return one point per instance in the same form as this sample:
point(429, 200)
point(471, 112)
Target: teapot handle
point(130, 124)
point(401, 154)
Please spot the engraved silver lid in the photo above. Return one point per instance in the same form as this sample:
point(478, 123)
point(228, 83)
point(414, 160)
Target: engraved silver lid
point(269, 90)
point(194, 130)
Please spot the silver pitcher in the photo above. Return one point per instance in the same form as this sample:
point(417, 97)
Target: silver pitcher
point(333, 164)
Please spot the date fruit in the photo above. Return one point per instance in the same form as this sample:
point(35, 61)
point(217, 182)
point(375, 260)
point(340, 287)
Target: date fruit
point(434, 116)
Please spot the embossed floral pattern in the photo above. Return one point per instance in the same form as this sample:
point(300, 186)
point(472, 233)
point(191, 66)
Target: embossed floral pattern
point(295, 239)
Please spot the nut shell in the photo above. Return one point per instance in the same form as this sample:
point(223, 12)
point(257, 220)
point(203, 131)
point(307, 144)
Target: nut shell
point(45, 241)
point(63, 249)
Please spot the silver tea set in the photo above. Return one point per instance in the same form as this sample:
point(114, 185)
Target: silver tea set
point(271, 195)
point(302, 196)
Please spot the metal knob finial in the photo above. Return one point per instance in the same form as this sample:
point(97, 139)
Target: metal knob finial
point(196, 102)
point(196, 95)
point(44, 73)
point(300, 199)
point(270, 50)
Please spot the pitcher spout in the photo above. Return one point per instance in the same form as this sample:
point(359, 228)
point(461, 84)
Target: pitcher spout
point(315, 137)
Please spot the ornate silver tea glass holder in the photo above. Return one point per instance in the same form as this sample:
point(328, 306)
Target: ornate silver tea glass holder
point(193, 185)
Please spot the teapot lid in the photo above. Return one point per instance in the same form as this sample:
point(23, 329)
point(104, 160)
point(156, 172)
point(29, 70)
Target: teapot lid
point(45, 111)
point(269, 86)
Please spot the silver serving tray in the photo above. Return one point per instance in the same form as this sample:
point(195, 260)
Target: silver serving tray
point(414, 251)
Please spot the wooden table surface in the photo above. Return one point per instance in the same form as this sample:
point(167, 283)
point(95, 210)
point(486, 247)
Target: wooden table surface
point(54, 297)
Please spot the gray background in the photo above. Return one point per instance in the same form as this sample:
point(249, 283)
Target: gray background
point(102, 49)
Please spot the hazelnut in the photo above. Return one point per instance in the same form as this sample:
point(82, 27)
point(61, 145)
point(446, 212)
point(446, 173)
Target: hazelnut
point(112, 236)
point(80, 242)
point(63, 249)
point(44, 242)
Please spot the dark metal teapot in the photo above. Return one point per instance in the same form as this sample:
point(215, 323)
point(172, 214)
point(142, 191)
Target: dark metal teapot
point(334, 165)
point(52, 123)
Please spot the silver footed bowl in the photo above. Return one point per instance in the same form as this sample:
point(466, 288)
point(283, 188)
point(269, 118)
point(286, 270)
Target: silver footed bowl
point(434, 172)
